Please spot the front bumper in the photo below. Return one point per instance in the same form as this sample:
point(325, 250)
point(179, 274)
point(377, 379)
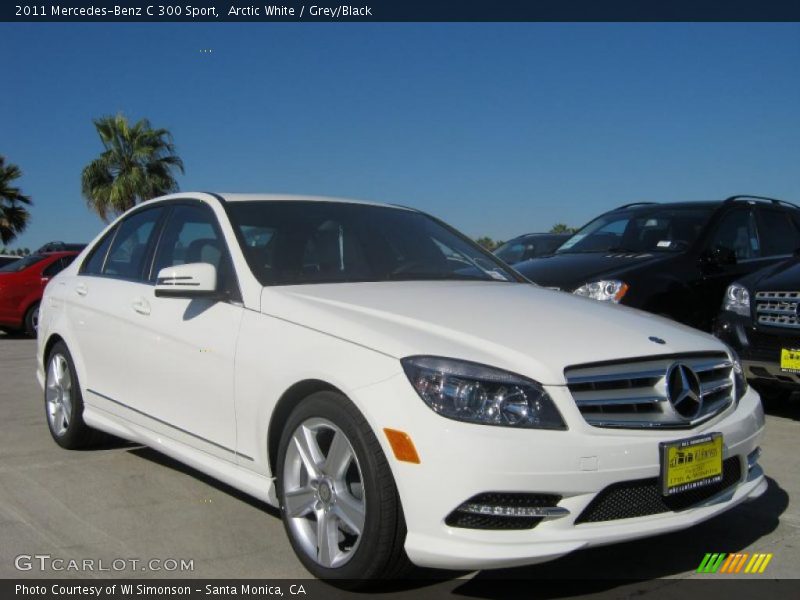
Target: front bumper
point(459, 461)
point(759, 348)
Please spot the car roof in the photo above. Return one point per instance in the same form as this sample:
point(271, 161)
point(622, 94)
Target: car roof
point(58, 253)
point(647, 206)
point(542, 234)
point(237, 197)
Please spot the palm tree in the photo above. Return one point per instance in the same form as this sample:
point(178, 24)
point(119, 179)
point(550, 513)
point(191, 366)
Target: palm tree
point(13, 217)
point(561, 228)
point(137, 164)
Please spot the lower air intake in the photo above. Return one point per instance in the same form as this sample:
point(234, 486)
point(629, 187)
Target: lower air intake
point(643, 497)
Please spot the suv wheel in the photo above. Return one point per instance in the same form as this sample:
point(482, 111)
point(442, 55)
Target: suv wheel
point(338, 499)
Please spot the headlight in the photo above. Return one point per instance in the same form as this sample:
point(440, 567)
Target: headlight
point(737, 300)
point(605, 290)
point(739, 380)
point(475, 393)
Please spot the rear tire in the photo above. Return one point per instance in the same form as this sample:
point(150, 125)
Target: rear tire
point(32, 320)
point(63, 402)
point(353, 500)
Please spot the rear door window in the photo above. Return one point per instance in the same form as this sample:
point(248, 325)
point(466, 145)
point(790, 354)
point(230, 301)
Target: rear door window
point(778, 233)
point(56, 267)
point(736, 231)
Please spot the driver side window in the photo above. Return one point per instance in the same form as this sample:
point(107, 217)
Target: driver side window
point(736, 231)
point(191, 236)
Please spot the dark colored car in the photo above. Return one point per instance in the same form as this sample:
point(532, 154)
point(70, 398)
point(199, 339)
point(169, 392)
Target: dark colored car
point(21, 287)
point(7, 258)
point(674, 260)
point(759, 319)
point(60, 247)
point(530, 245)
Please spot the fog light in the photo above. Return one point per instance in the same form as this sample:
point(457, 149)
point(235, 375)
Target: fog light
point(506, 510)
point(547, 512)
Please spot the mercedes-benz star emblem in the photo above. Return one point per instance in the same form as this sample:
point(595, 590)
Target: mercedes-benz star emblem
point(683, 391)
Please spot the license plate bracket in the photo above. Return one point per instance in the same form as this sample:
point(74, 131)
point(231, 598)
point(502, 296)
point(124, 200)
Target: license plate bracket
point(790, 360)
point(690, 463)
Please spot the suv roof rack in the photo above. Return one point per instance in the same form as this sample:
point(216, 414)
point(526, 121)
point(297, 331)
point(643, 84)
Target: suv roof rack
point(761, 198)
point(634, 204)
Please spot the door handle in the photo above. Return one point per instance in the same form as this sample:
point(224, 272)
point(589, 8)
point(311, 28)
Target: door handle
point(81, 289)
point(141, 306)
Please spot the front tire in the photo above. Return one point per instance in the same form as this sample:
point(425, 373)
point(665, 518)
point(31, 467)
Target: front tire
point(339, 502)
point(63, 402)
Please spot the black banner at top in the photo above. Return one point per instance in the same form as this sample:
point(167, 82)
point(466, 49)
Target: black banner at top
point(401, 11)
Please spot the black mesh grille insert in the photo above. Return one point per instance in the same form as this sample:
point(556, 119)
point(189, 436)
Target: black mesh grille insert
point(643, 497)
point(467, 520)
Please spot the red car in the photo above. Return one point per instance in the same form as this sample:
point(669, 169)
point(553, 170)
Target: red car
point(22, 284)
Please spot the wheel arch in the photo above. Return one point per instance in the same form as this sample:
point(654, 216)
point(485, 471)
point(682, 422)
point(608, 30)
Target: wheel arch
point(283, 408)
point(48, 346)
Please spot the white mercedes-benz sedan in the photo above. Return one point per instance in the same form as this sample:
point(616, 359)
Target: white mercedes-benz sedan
point(401, 394)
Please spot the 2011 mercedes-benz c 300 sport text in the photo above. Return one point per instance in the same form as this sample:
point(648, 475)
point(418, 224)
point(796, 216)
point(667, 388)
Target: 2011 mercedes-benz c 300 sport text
point(402, 395)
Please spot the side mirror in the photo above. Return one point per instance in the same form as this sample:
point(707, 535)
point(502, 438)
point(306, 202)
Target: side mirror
point(719, 256)
point(193, 280)
point(723, 256)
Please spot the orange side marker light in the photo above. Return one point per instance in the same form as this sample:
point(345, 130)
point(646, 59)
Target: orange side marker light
point(402, 446)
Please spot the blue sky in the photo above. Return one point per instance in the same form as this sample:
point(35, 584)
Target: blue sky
point(499, 129)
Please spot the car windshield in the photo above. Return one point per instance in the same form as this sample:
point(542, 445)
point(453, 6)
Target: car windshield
point(297, 242)
point(22, 263)
point(523, 248)
point(661, 229)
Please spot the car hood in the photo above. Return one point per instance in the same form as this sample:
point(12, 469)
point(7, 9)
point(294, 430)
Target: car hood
point(783, 277)
point(569, 271)
point(518, 327)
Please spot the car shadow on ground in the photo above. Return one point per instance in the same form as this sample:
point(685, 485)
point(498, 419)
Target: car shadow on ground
point(787, 408)
point(154, 456)
point(11, 336)
point(587, 571)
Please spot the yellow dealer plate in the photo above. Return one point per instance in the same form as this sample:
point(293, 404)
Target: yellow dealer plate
point(691, 463)
point(790, 360)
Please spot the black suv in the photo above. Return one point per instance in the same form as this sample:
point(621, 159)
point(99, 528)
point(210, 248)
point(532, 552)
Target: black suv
point(760, 320)
point(675, 259)
point(529, 245)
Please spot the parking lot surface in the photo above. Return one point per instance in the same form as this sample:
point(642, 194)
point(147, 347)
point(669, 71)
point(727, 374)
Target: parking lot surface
point(123, 501)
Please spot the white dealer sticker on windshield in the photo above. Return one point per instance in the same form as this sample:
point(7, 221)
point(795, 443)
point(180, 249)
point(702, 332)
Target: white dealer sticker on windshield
point(664, 244)
point(572, 241)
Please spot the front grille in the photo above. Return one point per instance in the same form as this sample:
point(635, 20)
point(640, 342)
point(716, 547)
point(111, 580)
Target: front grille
point(643, 497)
point(778, 309)
point(633, 394)
point(468, 520)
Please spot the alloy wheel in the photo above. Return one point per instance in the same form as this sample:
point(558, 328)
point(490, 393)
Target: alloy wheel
point(323, 493)
point(58, 394)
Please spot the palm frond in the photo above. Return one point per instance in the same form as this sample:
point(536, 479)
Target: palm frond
point(138, 163)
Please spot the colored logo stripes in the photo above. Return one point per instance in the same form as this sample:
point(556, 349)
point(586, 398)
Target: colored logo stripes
point(734, 563)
